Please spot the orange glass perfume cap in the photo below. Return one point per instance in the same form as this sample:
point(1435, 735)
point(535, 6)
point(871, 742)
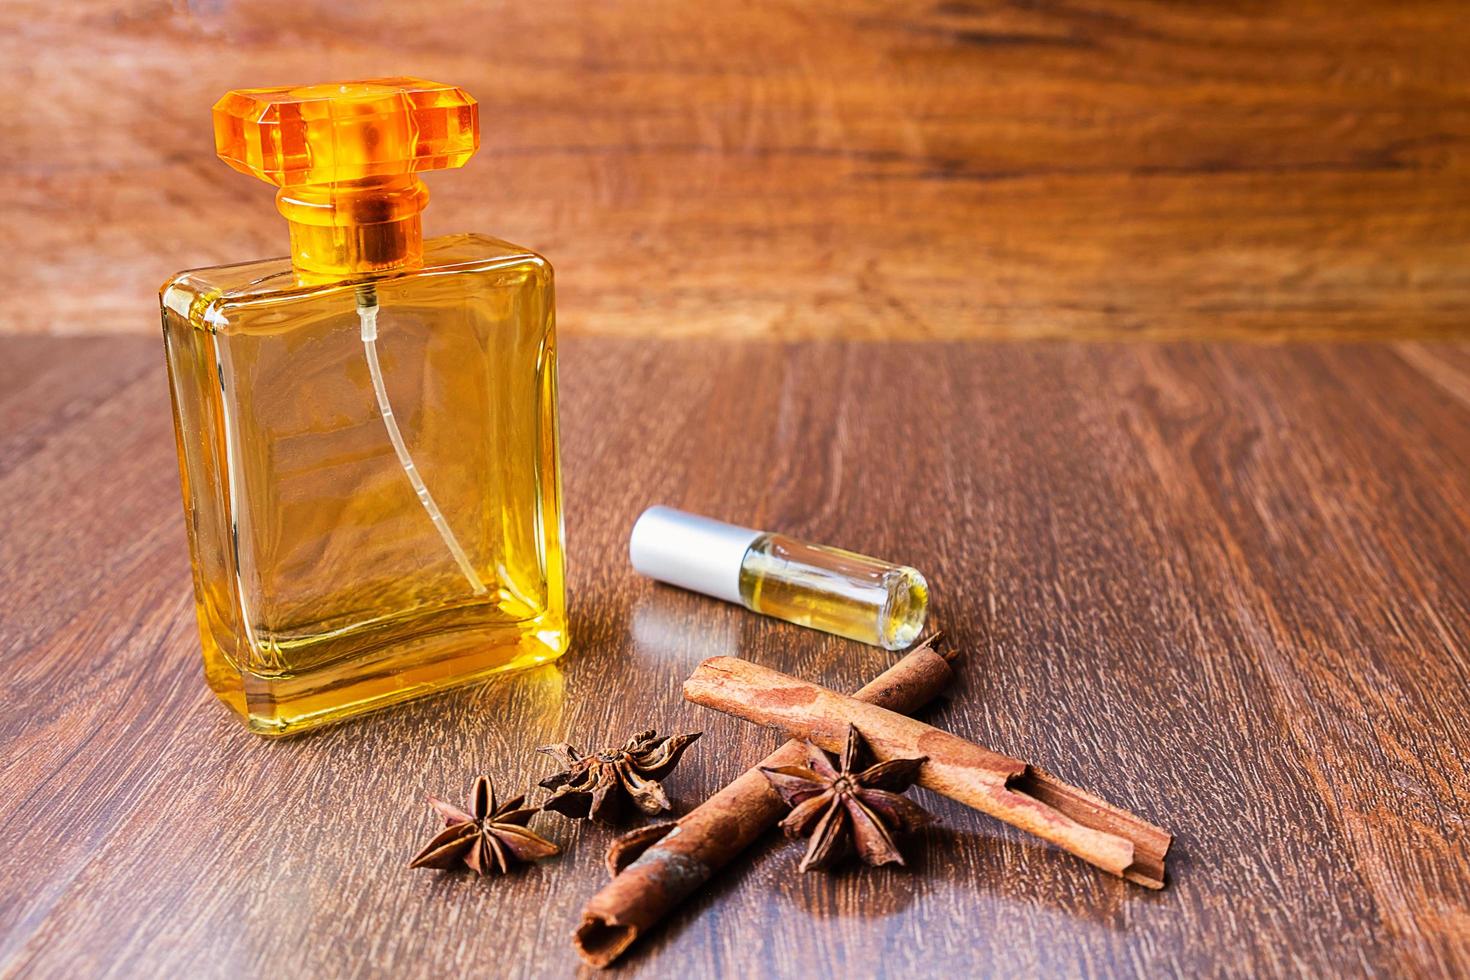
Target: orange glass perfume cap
point(346, 156)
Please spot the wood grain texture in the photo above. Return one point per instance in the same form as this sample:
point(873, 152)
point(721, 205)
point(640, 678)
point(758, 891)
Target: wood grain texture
point(881, 168)
point(1222, 586)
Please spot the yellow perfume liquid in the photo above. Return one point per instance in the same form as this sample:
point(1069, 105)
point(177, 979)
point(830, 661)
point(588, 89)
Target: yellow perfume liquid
point(367, 433)
point(835, 591)
point(841, 592)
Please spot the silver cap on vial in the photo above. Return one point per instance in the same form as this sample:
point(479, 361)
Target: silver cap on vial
point(690, 551)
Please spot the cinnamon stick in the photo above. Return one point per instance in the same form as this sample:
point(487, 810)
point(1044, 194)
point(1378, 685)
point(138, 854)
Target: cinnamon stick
point(1021, 795)
point(657, 867)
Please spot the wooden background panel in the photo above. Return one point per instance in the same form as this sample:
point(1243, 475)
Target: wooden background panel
point(826, 168)
point(1222, 585)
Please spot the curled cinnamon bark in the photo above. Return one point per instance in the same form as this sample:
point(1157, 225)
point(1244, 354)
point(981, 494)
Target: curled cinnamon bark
point(657, 867)
point(1021, 795)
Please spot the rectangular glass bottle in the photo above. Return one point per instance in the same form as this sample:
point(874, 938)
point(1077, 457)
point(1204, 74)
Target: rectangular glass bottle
point(323, 586)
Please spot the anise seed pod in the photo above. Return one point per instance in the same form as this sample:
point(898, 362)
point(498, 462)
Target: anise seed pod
point(840, 808)
point(486, 838)
point(596, 785)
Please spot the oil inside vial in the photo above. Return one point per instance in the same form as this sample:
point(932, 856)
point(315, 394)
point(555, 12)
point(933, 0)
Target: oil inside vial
point(836, 591)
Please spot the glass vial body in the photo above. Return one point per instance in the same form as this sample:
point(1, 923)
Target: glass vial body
point(862, 598)
point(322, 585)
point(832, 590)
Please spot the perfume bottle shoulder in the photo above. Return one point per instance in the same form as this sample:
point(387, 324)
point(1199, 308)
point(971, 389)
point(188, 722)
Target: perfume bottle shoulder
point(207, 294)
point(477, 251)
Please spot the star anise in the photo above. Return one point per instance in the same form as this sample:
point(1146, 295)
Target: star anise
point(596, 785)
point(486, 838)
point(840, 808)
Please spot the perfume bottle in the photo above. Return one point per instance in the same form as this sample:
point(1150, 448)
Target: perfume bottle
point(829, 589)
point(367, 430)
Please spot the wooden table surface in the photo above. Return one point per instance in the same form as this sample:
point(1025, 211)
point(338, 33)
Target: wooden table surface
point(1224, 586)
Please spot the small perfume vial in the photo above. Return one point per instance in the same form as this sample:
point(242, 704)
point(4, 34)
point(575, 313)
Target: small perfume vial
point(813, 585)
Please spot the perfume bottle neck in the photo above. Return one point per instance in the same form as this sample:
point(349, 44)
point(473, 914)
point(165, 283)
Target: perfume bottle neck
point(354, 227)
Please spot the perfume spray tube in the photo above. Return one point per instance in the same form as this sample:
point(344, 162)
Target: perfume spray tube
point(367, 314)
point(836, 591)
